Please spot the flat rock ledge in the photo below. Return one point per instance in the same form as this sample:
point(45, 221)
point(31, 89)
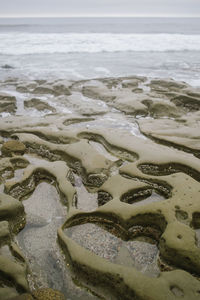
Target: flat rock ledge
point(122, 155)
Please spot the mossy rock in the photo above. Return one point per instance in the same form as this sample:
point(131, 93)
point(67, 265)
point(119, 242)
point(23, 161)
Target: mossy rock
point(48, 294)
point(13, 147)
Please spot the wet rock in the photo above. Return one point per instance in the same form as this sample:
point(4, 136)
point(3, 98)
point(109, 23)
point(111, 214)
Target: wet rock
point(26, 87)
point(7, 97)
point(7, 103)
point(189, 103)
point(19, 162)
point(167, 85)
point(52, 171)
point(182, 133)
point(94, 171)
point(9, 208)
point(22, 297)
point(100, 92)
point(43, 89)
point(150, 194)
point(40, 81)
point(15, 271)
point(83, 105)
point(137, 90)
point(193, 92)
point(7, 66)
point(7, 107)
point(163, 109)
point(12, 81)
point(131, 104)
point(8, 293)
point(4, 230)
point(38, 104)
point(13, 147)
point(122, 82)
point(61, 88)
point(58, 88)
point(130, 83)
point(6, 169)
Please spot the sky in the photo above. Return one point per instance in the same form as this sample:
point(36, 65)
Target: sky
point(56, 8)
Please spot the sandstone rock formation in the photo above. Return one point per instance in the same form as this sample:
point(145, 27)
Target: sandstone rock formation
point(114, 173)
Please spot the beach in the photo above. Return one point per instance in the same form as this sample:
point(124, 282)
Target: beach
point(85, 48)
point(103, 181)
point(99, 159)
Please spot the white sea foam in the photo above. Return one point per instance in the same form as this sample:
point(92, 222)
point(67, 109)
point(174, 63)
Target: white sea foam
point(39, 43)
point(5, 114)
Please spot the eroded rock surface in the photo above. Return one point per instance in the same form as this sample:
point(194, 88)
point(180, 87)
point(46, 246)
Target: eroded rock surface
point(7, 103)
point(38, 104)
point(13, 147)
point(104, 190)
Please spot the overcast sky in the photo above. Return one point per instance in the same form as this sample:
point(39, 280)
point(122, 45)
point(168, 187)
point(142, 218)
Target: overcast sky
point(99, 7)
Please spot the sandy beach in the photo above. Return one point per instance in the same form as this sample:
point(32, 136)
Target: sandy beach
point(99, 189)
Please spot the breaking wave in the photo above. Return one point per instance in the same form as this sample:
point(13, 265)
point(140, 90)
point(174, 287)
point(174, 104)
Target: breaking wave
point(40, 43)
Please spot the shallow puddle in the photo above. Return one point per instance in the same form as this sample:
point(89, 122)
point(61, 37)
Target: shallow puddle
point(113, 120)
point(85, 201)
point(34, 159)
point(18, 174)
point(93, 101)
point(38, 240)
point(138, 254)
point(198, 237)
point(153, 198)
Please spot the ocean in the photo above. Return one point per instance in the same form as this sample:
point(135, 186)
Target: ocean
point(81, 48)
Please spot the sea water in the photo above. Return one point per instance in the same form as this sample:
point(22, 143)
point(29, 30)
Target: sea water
point(80, 48)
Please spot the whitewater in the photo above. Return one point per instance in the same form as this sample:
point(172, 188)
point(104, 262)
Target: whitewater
point(82, 48)
point(38, 43)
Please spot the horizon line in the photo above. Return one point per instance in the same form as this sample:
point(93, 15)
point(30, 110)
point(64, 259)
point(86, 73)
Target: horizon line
point(100, 16)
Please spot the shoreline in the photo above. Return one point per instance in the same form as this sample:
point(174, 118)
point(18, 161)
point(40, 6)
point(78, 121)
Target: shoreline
point(120, 156)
